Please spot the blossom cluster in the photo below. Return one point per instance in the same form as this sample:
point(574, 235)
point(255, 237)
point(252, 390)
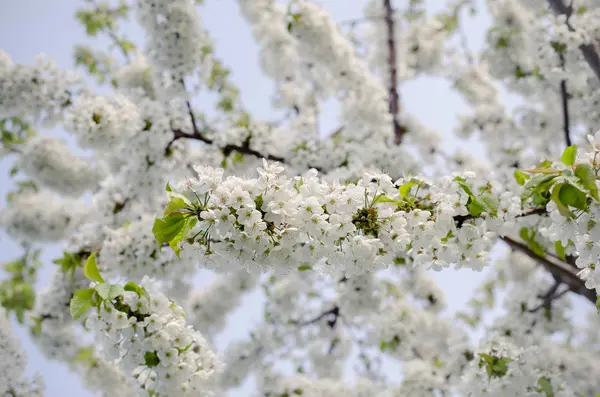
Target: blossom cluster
point(148, 334)
point(49, 162)
point(286, 223)
point(12, 366)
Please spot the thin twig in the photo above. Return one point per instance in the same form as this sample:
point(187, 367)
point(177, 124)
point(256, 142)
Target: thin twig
point(394, 100)
point(564, 95)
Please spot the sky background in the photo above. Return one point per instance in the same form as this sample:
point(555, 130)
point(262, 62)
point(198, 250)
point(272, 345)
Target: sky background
point(30, 27)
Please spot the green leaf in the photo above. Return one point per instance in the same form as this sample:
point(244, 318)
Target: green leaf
point(560, 250)
point(491, 203)
point(304, 267)
point(382, 198)
point(521, 177)
point(168, 228)
point(545, 164)
point(174, 205)
point(81, 301)
point(109, 291)
point(562, 207)
point(404, 190)
point(572, 196)
point(133, 287)
point(586, 175)
point(545, 386)
point(569, 155)
point(475, 207)
point(90, 269)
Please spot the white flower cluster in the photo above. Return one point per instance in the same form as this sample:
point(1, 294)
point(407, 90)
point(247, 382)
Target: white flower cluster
point(284, 223)
point(148, 334)
point(279, 53)
point(136, 76)
point(40, 90)
point(501, 369)
point(175, 36)
point(13, 383)
point(101, 122)
point(49, 162)
point(278, 386)
point(41, 216)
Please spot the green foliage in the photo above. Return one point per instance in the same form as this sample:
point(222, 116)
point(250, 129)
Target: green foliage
point(69, 262)
point(545, 386)
point(528, 235)
point(521, 177)
point(17, 293)
point(304, 267)
point(14, 132)
point(133, 287)
point(538, 189)
point(109, 291)
point(494, 366)
point(90, 269)
point(81, 301)
point(102, 17)
point(97, 64)
point(477, 205)
point(391, 345)
point(587, 177)
point(569, 155)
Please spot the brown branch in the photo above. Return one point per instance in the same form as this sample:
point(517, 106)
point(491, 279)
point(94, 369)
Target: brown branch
point(393, 100)
point(588, 50)
point(564, 95)
point(560, 271)
point(334, 311)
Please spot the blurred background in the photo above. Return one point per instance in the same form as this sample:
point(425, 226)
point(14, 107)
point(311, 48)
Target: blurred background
point(31, 27)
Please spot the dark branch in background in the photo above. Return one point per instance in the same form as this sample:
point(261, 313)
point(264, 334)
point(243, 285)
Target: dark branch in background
point(334, 312)
point(565, 105)
point(199, 136)
point(393, 100)
point(561, 271)
point(550, 296)
point(588, 50)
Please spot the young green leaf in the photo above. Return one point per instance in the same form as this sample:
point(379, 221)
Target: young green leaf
point(382, 198)
point(586, 175)
point(81, 301)
point(168, 228)
point(569, 155)
point(90, 269)
point(572, 196)
point(545, 387)
point(562, 207)
point(304, 267)
point(521, 177)
point(133, 287)
point(174, 205)
point(109, 291)
point(404, 189)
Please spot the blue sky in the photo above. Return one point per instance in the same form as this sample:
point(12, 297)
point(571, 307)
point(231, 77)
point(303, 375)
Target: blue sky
point(30, 27)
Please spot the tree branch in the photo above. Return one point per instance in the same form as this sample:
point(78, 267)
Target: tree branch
point(393, 100)
point(561, 271)
point(588, 50)
point(565, 104)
